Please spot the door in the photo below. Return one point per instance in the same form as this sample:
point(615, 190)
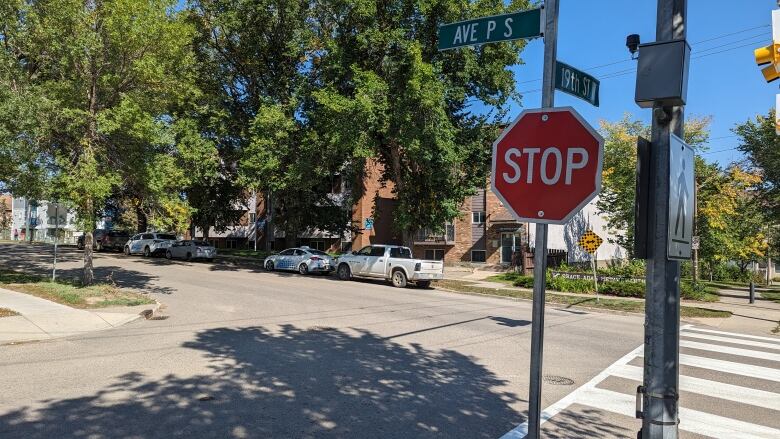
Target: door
point(375, 265)
point(358, 261)
point(296, 259)
point(284, 260)
point(510, 242)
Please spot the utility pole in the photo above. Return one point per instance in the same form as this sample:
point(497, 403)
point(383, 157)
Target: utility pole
point(56, 238)
point(662, 305)
point(540, 252)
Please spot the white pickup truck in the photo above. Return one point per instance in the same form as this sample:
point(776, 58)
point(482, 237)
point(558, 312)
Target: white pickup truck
point(389, 262)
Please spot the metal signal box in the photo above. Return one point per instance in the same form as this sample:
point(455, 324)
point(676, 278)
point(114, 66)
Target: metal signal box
point(662, 74)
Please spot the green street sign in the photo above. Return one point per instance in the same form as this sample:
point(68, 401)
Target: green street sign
point(514, 26)
point(576, 83)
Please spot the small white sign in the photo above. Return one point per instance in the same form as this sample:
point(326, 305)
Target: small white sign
point(681, 193)
point(695, 243)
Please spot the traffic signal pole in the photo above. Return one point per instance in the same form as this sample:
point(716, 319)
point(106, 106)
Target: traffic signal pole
point(540, 251)
point(662, 303)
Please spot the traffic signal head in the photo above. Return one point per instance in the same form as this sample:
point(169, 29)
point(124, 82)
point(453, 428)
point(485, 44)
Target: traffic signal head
point(769, 55)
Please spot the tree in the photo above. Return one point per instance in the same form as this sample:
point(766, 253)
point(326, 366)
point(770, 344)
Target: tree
point(110, 69)
point(384, 92)
point(616, 200)
point(761, 145)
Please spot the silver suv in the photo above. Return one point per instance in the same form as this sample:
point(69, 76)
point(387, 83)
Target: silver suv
point(149, 244)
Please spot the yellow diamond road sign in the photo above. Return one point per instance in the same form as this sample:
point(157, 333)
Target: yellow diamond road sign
point(590, 241)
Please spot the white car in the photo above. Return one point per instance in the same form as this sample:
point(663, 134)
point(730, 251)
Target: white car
point(149, 244)
point(304, 260)
point(389, 262)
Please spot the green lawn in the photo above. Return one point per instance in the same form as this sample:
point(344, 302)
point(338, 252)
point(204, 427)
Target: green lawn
point(70, 293)
point(774, 296)
point(574, 301)
point(5, 312)
point(244, 253)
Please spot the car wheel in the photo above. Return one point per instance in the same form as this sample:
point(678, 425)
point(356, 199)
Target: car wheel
point(424, 284)
point(168, 255)
point(399, 279)
point(147, 252)
point(303, 269)
point(189, 256)
point(269, 266)
point(80, 245)
point(344, 272)
point(127, 251)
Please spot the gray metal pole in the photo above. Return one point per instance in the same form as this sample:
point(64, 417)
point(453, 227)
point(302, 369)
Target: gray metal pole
point(752, 292)
point(56, 238)
point(540, 253)
point(662, 304)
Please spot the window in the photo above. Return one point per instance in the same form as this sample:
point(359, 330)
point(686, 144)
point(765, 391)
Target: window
point(165, 236)
point(336, 184)
point(434, 254)
point(478, 256)
point(252, 217)
point(400, 252)
point(377, 251)
point(346, 246)
point(231, 243)
point(147, 236)
point(287, 252)
point(317, 245)
point(299, 252)
point(365, 251)
point(478, 217)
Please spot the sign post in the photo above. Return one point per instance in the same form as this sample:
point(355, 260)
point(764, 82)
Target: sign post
point(507, 27)
point(590, 242)
point(576, 83)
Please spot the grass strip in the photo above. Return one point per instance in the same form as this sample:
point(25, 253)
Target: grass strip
point(71, 293)
point(771, 295)
point(5, 312)
point(622, 305)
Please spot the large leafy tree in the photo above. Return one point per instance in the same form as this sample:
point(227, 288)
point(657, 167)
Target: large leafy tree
point(384, 92)
point(105, 73)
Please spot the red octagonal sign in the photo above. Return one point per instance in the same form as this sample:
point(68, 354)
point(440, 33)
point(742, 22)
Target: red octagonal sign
point(547, 165)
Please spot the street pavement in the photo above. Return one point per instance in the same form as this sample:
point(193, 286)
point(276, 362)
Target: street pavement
point(250, 354)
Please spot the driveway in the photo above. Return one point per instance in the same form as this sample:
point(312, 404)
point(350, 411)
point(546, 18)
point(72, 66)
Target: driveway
point(246, 353)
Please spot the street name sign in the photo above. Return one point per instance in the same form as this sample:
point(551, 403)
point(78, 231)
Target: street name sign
point(506, 27)
point(547, 165)
point(681, 184)
point(577, 83)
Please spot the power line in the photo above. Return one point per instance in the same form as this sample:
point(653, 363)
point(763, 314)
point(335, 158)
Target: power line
point(732, 33)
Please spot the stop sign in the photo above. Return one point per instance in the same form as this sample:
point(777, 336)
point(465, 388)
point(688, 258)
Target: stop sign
point(547, 165)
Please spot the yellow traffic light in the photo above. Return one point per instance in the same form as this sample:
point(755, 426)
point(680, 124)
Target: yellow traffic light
point(769, 55)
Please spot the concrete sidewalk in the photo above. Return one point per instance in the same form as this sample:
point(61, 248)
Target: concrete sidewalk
point(41, 319)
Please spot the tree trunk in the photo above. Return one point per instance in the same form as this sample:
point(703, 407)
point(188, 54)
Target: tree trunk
point(88, 275)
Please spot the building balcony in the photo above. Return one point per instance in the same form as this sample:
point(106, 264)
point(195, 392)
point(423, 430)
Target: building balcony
point(428, 237)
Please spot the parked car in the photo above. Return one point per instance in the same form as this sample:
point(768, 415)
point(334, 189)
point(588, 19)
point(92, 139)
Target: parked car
point(103, 239)
point(389, 262)
point(188, 250)
point(301, 259)
point(149, 244)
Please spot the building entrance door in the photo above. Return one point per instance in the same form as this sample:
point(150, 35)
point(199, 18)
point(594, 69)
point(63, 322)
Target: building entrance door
point(510, 242)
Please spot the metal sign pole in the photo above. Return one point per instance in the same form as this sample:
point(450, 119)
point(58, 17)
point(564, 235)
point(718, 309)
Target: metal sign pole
point(56, 236)
point(662, 304)
point(540, 253)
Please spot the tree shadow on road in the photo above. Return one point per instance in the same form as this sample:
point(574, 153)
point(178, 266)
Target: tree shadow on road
point(289, 383)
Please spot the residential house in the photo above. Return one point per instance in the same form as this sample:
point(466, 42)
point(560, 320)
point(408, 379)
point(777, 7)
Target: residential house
point(43, 220)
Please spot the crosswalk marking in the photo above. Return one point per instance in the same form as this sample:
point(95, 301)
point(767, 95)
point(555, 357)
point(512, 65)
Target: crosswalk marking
point(756, 344)
point(729, 350)
point(690, 420)
point(714, 389)
point(727, 394)
point(749, 370)
point(734, 334)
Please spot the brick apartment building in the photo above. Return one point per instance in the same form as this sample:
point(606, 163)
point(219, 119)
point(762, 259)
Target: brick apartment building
point(484, 232)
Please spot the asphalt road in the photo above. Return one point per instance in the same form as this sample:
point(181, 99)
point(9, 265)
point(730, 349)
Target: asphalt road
point(246, 353)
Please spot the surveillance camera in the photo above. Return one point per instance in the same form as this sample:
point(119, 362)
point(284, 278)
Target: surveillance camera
point(632, 42)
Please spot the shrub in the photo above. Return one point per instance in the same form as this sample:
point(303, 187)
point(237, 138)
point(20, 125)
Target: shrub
point(570, 285)
point(522, 281)
point(623, 289)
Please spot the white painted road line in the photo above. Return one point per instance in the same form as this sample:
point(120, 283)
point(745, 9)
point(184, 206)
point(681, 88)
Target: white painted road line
point(712, 331)
point(755, 344)
point(521, 430)
point(744, 395)
point(729, 350)
point(749, 370)
point(690, 420)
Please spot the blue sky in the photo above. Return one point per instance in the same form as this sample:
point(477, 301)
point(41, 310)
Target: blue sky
point(723, 83)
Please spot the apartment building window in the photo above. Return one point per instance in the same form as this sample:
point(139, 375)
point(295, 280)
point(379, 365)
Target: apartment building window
point(434, 254)
point(478, 217)
point(251, 217)
point(231, 243)
point(337, 184)
point(346, 246)
point(478, 256)
point(317, 245)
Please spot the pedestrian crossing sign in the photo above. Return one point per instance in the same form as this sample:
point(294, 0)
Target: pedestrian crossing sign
point(590, 241)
